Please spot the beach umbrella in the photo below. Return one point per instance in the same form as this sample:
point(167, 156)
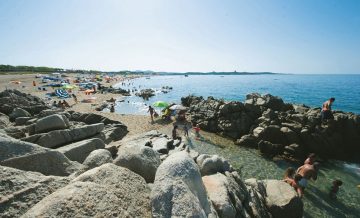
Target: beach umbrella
point(62, 93)
point(68, 86)
point(178, 107)
point(160, 104)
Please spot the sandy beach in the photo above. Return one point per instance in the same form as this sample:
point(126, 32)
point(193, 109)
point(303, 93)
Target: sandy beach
point(135, 123)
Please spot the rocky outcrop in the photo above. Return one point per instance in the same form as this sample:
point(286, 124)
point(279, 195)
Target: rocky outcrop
point(146, 93)
point(4, 120)
point(21, 190)
point(97, 158)
point(278, 128)
point(105, 191)
point(59, 138)
point(178, 189)
point(10, 99)
point(30, 157)
point(78, 151)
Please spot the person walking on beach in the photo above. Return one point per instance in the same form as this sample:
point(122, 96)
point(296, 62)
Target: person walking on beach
point(186, 129)
point(151, 111)
point(75, 98)
point(326, 110)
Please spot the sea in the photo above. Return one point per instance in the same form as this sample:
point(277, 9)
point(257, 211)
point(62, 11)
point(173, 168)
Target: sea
point(311, 90)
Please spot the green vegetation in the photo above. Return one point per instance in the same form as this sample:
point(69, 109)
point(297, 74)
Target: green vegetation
point(9, 68)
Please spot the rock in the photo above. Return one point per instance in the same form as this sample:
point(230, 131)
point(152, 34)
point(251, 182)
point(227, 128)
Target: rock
point(291, 136)
point(139, 159)
point(114, 132)
point(49, 112)
point(78, 151)
point(57, 138)
point(178, 190)
point(226, 195)
point(91, 118)
point(10, 99)
point(52, 122)
point(269, 148)
point(160, 145)
point(282, 199)
point(14, 132)
point(22, 120)
point(248, 141)
point(257, 131)
point(211, 164)
point(273, 134)
point(97, 158)
point(20, 190)
point(105, 191)
point(146, 93)
point(18, 112)
point(30, 157)
point(4, 120)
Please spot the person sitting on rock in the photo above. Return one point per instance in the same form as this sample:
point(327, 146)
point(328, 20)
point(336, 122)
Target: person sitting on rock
point(61, 105)
point(65, 104)
point(55, 104)
point(112, 108)
point(310, 159)
point(307, 171)
point(292, 180)
point(326, 110)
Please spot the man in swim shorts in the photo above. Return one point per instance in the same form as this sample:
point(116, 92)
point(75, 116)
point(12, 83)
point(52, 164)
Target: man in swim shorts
point(308, 171)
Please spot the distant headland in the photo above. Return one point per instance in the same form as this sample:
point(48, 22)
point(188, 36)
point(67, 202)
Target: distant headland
point(8, 69)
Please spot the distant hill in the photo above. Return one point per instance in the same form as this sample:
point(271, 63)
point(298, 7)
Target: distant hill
point(10, 68)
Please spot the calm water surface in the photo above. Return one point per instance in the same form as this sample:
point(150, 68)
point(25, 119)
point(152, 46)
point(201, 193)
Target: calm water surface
point(311, 90)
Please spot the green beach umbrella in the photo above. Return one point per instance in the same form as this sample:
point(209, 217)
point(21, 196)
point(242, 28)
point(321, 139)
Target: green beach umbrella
point(160, 104)
point(68, 87)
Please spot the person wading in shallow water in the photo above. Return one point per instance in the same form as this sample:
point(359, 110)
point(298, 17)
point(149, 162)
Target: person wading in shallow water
point(326, 113)
point(307, 171)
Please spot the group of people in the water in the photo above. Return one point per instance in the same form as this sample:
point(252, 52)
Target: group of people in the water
point(308, 171)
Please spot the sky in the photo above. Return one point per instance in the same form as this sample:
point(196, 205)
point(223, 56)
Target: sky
point(297, 36)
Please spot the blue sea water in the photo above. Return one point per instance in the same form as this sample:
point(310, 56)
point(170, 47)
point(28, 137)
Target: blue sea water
point(311, 90)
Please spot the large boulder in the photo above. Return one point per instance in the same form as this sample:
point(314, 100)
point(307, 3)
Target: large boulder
point(97, 158)
point(58, 138)
point(22, 120)
point(52, 122)
point(78, 151)
point(105, 191)
point(31, 157)
point(114, 132)
point(178, 190)
point(211, 164)
point(161, 145)
point(20, 190)
point(91, 118)
point(140, 159)
point(282, 199)
point(270, 148)
point(18, 112)
point(226, 195)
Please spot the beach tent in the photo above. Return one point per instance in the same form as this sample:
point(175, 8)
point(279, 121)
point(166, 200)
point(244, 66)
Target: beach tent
point(62, 93)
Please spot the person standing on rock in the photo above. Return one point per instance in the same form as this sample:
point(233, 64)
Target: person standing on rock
point(292, 180)
point(326, 110)
point(307, 171)
point(151, 111)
